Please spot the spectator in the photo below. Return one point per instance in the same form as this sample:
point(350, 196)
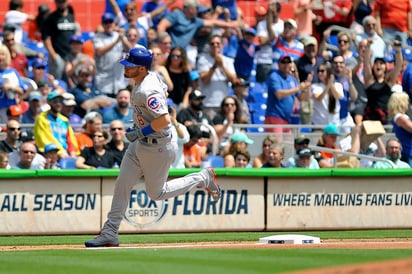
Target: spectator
point(178, 69)
point(93, 122)
point(242, 158)
point(303, 159)
point(335, 12)
point(4, 160)
point(263, 157)
point(53, 127)
point(378, 46)
point(36, 26)
point(216, 72)
point(30, 116)
point(200, 41)
point(326, 94)
point(109, 46)
point(227, 5)
point(16, 17)
point(117, 145)
point(393, 20)
point(38, 162)
point(260, 15)
point(264, 56)
point(27, 153)
point(328, 140)
point(304, 16)
point(133, 37)
point(164, 41)
point(229, 114)
point(238, 141)
point(67, 110)
point(360, 10)
point(191, 149)
point(52, 157)
point(96, 156)
point(182, 25)
point(11, 85)
point(180, 135)
point(160, 69)
point(18, 60)
point(310, 61)
point(45, 81)
point(11, 142)
point(121, 111)
point(152, 5)
point(56, 39)
point(283, 89)
point(88, 98)
point(378, 84)
point(276, 154)
point(344, 48)
point(194, 113)
point(402, 125)
point(393, 154)
point(301, 142)
point(241, 91)
point(245, 54)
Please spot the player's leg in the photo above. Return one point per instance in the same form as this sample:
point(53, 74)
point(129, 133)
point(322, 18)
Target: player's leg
point(130, 174)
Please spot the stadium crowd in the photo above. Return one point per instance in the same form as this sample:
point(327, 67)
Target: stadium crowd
point(340, 65)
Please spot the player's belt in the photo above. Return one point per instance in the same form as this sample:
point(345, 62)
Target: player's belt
point(149, 140)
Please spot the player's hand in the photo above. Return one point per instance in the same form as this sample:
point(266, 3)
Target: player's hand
point(133, 134)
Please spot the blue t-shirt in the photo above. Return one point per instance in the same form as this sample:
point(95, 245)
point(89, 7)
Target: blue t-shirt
point(280, 108)
point(150, 6)
point(114, 114)
point(244, 59)
point(182, 29)
point(407, 80)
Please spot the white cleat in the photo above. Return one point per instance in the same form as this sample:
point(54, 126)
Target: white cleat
point(212, 186)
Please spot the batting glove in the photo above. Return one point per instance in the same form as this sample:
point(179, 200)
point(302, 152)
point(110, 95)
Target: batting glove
point(133, 134)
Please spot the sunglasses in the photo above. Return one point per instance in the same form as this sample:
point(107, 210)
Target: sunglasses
point(321, 70)
point(41, 67)
point(286, 62)
point(108, 22)
point(175, 56)
point(343, 41)
point(13, 128)
point(116, 128)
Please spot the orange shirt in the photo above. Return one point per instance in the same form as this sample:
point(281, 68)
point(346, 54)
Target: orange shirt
point(84, 140)
point(393, 14)
point(192, 155)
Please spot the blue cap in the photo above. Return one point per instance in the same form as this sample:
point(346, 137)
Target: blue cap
point(407, 54)
point(331, 129)
point(76, 39)
point(203, 9)
point(35, 95)
point(107, 17)
point(39, 62)
point(50, 147)
point(138, 56)
point(194, 75)
point(241, 137)
point(250, 31)
point(52, 95)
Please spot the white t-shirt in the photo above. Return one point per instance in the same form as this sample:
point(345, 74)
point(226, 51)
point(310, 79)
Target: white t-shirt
point(321, 115)
point(264, 55)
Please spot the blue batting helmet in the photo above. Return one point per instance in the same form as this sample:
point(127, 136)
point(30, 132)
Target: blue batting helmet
point(138, 56)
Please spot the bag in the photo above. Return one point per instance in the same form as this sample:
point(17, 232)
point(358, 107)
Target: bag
point(346, 161)
point(373, 128)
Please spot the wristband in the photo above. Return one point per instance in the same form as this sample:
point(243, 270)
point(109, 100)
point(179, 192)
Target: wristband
point(147, 130)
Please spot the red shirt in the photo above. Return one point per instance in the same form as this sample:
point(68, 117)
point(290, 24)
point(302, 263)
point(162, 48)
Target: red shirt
point(393, 14)
point(19, 63)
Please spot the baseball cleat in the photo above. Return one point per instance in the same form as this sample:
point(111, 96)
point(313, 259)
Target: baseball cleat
point(212, 187)
point(103, 240)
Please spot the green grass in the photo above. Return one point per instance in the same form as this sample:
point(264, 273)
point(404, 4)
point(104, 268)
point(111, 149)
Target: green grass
point(198, 261)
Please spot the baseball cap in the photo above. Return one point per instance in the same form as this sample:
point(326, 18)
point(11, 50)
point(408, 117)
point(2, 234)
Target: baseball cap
point(43, 83)
point(106, 17)
point(203, 9)
point(43, 8)
point(139, 56)
point(9, 27)
point(260, 10)
point(68, 99)
point(331, 129)
point(381, 59)
point(16, 110)
point(194, 75)
point(191, 3)
point(407, 54)
point(196, 94)
point(241, 82)
point(50, 147)
point(250, 31)
point(35, 95)
point(76, 39)
point(285, 59)
point(304, 152)
point(241, 137)
point(310, 40)
point(26, 136)
point(302, 140)
point(292, 22)
point(52, 95)
point(39, 62)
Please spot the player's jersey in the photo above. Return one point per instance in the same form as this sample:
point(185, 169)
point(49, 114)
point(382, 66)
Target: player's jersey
point(149, 102)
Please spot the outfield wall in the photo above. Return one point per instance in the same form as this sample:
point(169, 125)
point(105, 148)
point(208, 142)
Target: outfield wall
point(77, 201)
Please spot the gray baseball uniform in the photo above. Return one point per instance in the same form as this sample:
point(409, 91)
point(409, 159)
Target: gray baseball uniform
point(150, 157)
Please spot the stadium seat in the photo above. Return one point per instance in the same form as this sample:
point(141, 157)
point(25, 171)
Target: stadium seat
point(67, 163)
point(215, 161)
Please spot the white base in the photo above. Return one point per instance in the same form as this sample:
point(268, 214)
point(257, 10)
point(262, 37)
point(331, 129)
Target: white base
point(289, 239)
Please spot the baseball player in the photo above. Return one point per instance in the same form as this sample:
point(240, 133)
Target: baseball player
point(151, 152)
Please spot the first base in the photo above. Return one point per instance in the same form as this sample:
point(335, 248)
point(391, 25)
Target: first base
point(290, 239)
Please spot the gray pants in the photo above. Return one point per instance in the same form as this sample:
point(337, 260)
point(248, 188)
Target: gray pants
point(151, 161)
point(57, 67)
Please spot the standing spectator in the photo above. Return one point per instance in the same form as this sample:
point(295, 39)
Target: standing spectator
point(241, 91)
point(11, 142)
point(52, 157)
point(360, 10)
point(216, 72)
point(69, 104)
point(282, 92)
point(326, 94)
point(276, 154)
point(310, 61)
point(264, 56)
point(109, 46)
point(117, 146)
point(378, 46)
point(53, 127)
point(402, 125)
point(36, 26)
point(18, 60)
point(178, 68)
point(27, 152)
point(304, 17)
point(30, 116)
point(344, 48)
point(263, 157)
point(121, 111)
point(59, 26)
point(93, 122)
point(335, 12)
point(245, 54)
point(393, 20)
point(96, 156)
point(160, 69)
point(151, 5)
point(11, 85)
point(16, 17)
point(393, 154)
point(180, 135)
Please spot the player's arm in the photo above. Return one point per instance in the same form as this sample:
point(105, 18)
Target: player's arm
point(161, 122)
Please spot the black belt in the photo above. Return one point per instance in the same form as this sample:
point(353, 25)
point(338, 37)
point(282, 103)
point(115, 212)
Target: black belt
point(149, 140)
